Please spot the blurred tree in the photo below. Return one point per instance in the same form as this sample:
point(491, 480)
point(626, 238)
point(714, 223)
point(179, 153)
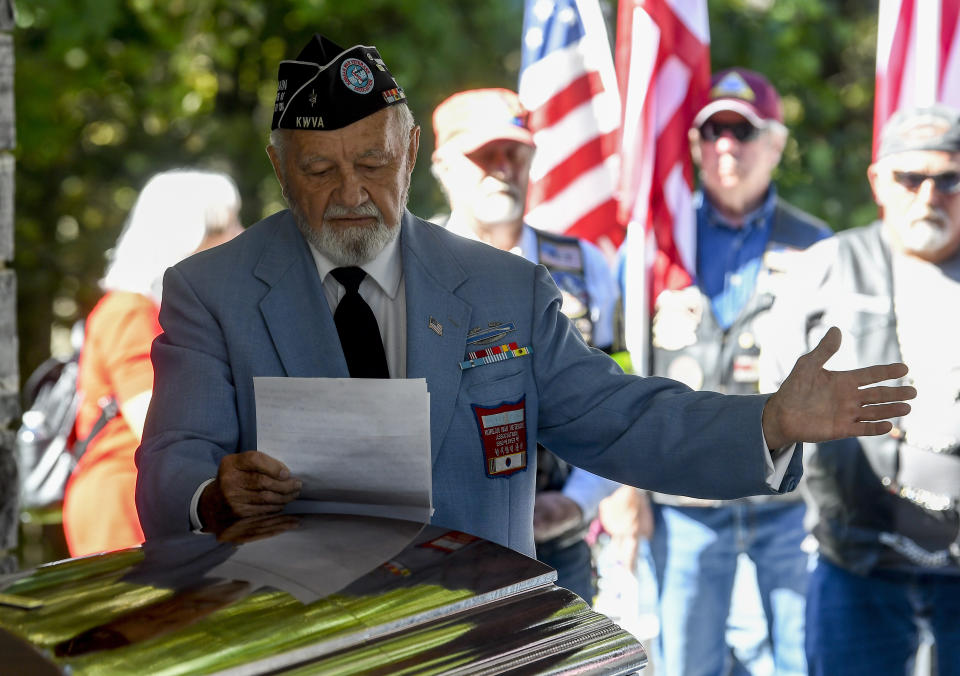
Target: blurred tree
point(111, 91)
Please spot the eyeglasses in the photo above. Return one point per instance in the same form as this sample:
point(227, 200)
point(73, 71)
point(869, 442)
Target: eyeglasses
point(947, 182)
point(742, 131)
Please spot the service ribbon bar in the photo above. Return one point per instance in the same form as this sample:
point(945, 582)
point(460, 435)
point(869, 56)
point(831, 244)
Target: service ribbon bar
point(503, 352)
point(490, 351)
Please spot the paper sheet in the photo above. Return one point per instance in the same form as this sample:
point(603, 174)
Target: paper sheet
point(360, 446)
point(320, 557)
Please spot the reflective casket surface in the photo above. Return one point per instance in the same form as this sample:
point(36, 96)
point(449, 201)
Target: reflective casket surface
point(307, 594)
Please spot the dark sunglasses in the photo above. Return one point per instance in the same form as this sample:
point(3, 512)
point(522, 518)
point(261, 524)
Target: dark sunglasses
point(947, 182)
point(742, 131)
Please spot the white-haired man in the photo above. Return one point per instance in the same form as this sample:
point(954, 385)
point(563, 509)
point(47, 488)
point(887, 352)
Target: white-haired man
point(885, 509)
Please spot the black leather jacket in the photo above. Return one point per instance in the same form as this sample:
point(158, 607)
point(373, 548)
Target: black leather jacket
point(864, 516)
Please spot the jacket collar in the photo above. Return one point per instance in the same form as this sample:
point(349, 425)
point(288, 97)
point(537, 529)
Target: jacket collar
point(437, 319)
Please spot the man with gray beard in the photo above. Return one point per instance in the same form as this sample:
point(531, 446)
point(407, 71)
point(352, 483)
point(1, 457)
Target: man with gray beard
point(885, 509)
point(504, 366)
point(482, 160)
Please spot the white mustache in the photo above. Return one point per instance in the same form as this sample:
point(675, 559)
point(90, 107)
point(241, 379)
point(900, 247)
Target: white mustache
point(490, 185)
point(933, 215)
point(340, 211)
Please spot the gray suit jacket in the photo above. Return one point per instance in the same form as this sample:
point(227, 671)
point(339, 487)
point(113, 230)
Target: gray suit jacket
point(255, 307)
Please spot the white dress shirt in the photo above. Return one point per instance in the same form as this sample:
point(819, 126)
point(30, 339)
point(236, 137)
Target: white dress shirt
point(384, 291)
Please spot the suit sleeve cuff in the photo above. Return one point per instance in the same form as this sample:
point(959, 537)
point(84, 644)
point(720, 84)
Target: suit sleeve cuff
point(194, 506)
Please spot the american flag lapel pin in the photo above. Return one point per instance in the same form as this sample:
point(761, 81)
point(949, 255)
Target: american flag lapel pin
point(436, 326)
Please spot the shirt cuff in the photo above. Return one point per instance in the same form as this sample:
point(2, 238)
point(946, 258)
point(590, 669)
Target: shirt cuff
point(194, 505)
point(587, 490)
point(777, 461)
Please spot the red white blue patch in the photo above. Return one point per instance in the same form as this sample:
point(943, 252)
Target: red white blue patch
point(393, 95)
point(503, 435)
point(357, 76)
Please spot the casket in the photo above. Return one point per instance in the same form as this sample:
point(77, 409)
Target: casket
point(306, 594)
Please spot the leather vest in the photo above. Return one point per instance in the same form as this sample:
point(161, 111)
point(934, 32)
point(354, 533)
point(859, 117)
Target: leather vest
point(877, 505)
point(563, 257)
point(689, 345)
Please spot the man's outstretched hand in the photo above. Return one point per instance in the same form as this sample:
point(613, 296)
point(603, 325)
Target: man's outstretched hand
point(814, 404)
point(247, 484)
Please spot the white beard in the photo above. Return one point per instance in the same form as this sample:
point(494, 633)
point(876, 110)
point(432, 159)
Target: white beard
point(925, 235)
point(497, 202)
point(346, 246)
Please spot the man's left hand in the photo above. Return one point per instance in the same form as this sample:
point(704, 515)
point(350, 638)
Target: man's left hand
point(815, 404)
point(554, 514)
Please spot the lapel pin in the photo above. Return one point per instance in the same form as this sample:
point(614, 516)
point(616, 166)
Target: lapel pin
point(492, 333)
point(436, 326)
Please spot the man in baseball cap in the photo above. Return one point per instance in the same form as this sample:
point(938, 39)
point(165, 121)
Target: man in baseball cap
point(888, 508)
point(711, 335)
point(482, 161)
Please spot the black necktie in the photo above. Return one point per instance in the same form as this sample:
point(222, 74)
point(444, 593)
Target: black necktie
point(358, 329)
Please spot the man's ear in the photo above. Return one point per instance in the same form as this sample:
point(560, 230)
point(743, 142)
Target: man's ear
point(777, 138)
point(413, 147)
point(873, 176)
point(274, 156)
point(694, 137)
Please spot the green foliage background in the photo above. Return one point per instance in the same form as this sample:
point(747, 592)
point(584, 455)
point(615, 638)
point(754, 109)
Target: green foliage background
point(110, 91)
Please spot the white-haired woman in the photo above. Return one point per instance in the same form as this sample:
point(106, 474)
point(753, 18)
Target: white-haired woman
point(176, 214)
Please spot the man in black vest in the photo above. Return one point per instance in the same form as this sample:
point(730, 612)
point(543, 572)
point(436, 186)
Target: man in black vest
point(482, 161)
point(710, 335)
point(885, 509)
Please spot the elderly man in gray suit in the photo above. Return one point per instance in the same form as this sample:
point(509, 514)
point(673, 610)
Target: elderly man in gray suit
point(268, 304)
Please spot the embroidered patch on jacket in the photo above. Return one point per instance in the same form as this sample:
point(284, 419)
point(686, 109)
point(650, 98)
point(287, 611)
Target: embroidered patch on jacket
point(503, 435)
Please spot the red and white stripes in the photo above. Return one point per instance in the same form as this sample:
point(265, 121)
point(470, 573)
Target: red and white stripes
point(918, 57)
point(663, 65)
point(569, 87)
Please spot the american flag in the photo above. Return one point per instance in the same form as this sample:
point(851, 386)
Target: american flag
point(663, 66)
point(918, 57)
point(568, 85)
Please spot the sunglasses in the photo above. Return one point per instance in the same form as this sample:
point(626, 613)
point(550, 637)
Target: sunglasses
point(742, 131)
point(947, 182)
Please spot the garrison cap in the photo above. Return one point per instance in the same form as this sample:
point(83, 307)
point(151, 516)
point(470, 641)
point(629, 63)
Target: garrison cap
point(935, 127)
point(329, 87)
